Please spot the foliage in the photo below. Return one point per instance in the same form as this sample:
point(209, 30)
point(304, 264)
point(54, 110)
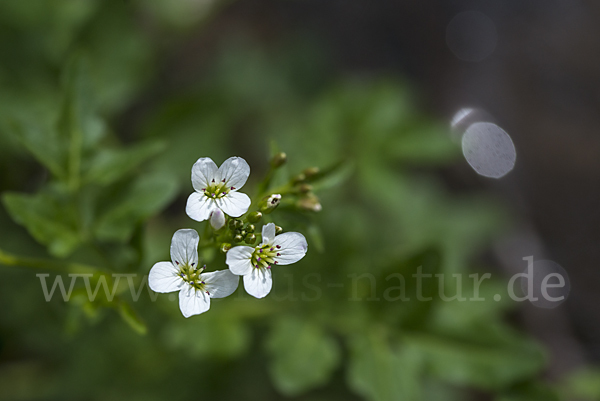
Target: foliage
point(93, 196)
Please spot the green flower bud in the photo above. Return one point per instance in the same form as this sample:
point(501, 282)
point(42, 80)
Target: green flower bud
point(311, 172)
point(305, 188)
point(299, 178)
point(239, 224)
point(270, 203)
point(232, 224)
point(278, 230)
point(279, 159)
point(238, 238)
point(310, 203)
point(243, 233)
point(254, 217)
point(225, 247)
point(250, 228)
point(250, 239)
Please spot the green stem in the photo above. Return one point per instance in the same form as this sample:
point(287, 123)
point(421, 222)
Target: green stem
point(45, 264)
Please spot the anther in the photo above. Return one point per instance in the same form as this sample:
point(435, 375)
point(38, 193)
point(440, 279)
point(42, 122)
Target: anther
point(271, 249)
point(177, 262)
point(193, 263)
point(213, 180)
point(260, 250)
point(278, 254)
point(278, 246)
point(258, 259)
point(232, 188)
point(268, 267)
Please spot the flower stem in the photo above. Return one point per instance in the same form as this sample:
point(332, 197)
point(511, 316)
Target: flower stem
point(46, 264)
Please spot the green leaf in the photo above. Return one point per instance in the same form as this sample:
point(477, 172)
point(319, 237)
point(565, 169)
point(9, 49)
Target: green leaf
point(49, 219)
point(78, 126)
point(475, 362)
point(381, 372)
point(531, 392)
point(303, 356)
point(140, 201)
point(110, 165)
point(132, 319)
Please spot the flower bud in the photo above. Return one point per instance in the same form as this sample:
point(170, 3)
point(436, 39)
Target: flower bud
point(238, 238)
point(278, 230)
point(225, 247)
point(310, 203)
point(305, 188)
point(270, 203)
point(232, 224)
point(299, 178)
point(250, 228)
point(279, 159)
point(239, 224)
point(311, 172)
point(217, 219)
point(250, 239)
point(254, 217)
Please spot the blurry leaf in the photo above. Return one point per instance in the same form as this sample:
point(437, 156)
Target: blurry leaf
point(144, 198)
point(78, 126)
point(530, 392)
point(110, 165)
point(302, 355)
point(477, 363)
point(380, 372)
point(49, 220)
point(216, 335)
point(423, 143)
point(583, 384)
point(42, 142)
point(131, 318)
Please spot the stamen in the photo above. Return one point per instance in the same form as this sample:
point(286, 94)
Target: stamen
point(191, 283)
point(208, 292)
point(232, 188)
point(193, 264)
point(255, 265)
point(278, 254)
point(260, 251)
point(268, 267)
point(271, 249)
point(224, 193)
point(203, 282)
point(213, 180)
point(223, 180)
point(213, 195)
point(278, 246)
point(203, 189)
point(258, 259)
point(276, 262)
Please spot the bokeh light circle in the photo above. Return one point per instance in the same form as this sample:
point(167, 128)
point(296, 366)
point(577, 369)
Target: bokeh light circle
point(489, 150)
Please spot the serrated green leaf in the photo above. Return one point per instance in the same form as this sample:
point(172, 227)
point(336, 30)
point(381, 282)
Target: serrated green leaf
point(303, 356)
point(50, 220)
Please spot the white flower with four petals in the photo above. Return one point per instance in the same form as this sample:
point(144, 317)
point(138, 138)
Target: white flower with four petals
point(216, 188)
point(184, 275)
point(254, 263)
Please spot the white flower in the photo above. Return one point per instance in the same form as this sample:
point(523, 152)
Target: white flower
point(216, 188)
point(183, 274)
point(255, 263)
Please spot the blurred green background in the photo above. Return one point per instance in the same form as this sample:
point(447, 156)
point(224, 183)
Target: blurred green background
point(105, 106)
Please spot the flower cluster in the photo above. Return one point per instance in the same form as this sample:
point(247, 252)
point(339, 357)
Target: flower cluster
point(216, 199)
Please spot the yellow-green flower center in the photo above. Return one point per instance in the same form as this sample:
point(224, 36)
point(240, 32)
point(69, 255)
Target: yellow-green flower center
point(264, 256)
point(191, 274)
point(216, 190)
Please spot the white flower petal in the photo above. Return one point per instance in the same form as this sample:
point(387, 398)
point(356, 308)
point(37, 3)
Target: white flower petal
point(221, 283)
point(293, 247)
point(234, 203)
point(163, 278)
point(238, 260)
point(203, 172)
point(258, 283)
point(184, 247)
point(217, 219)
point(199, 207)
point(193, 302)
point(235, 172)
point(268, 234)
